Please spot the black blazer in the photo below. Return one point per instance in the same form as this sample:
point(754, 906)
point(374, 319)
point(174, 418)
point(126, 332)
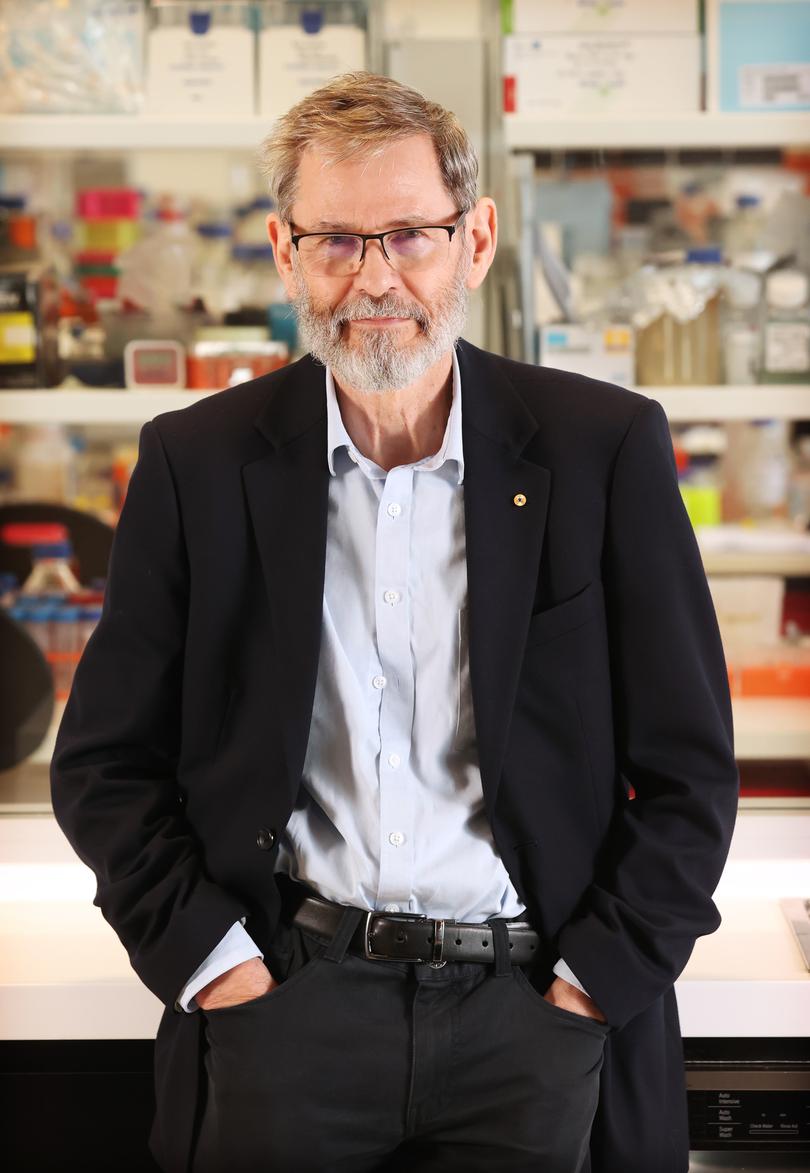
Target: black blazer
point(596, 666)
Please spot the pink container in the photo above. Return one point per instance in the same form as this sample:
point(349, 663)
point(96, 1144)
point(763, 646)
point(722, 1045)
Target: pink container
point(108, 203)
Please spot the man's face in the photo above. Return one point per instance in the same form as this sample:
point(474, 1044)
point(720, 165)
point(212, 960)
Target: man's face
point(379, 329)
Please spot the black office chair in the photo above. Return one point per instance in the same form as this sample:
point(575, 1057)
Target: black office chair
point(90, 537)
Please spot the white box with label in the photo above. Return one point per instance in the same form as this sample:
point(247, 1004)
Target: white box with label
point(601, 352)
point(207, 69)
point(293, 61)
point(565, 76)
point(608, 16)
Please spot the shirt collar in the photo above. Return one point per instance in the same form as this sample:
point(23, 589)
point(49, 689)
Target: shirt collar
point(450, 449)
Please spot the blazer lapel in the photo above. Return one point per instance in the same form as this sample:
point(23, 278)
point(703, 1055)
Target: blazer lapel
point(287, 492)
point(504, 542)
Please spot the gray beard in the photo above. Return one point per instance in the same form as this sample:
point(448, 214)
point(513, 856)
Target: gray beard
point(379, 363)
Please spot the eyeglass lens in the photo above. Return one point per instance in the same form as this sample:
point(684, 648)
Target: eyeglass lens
point(407, 249)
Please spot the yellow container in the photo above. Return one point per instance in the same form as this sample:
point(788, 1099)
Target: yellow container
point(109, 235)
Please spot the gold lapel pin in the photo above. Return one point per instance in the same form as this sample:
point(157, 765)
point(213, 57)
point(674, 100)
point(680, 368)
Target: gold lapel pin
point(519, 499)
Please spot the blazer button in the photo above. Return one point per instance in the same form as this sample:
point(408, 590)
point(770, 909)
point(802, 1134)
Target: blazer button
point(266, 838)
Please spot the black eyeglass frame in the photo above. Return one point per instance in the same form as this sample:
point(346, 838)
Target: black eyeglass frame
point(451, 229)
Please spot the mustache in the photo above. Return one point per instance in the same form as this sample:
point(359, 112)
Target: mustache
point(384, 307)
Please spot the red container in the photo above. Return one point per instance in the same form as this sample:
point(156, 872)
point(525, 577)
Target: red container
point(108, 203)
point(100, 286)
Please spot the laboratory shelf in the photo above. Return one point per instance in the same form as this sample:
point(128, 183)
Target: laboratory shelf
point(85, 405)
point(697, 129)
point(128, 132)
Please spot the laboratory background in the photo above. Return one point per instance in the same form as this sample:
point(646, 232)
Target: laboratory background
point(650, 162)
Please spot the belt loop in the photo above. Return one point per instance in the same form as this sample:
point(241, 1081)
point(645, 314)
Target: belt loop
point(500, 941)
point(339, 943)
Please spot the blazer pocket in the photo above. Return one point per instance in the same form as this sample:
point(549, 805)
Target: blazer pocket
point(565, 616)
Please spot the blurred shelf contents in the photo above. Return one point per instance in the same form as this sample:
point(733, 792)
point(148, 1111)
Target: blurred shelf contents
point(199, 60)
point(140, 274)
point(54, 608)
point(52, 463)
point(71, 58)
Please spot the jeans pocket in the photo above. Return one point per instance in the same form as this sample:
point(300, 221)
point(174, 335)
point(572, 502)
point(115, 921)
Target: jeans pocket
point(570, 1017)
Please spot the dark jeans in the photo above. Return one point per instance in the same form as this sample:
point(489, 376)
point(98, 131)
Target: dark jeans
point(359, 1065)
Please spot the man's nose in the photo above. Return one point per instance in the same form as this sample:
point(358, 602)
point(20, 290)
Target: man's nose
point(375, 276)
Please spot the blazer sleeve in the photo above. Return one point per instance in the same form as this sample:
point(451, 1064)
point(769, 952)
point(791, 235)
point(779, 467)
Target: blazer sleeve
point(651, 897)
point(114, 769)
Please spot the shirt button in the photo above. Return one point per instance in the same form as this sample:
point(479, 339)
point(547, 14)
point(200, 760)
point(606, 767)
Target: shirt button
point(391, 908)
point(379, 682)
point(394, 759)
point(391, 597)
point(394, 510)
point(396, 838)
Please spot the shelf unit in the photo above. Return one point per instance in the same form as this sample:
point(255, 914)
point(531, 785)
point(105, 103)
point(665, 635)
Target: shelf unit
point(87, 405)
point(122, 132)
point(764, 728)
point(698, 130)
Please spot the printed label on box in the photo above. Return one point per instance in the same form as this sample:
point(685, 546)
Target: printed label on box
point(774, 85)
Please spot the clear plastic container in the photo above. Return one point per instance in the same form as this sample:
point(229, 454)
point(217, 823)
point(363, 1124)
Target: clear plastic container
point(676, 315)
point(212, 265)
point(799, 484)
point(45, 466)
point(741, 327)
point(157, 272)
point(744, 228)
point(51, 573)
point(254, 284)
point(786, 328)
point(764, 469)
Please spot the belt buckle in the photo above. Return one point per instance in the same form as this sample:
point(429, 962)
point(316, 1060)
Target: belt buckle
point(407, 918)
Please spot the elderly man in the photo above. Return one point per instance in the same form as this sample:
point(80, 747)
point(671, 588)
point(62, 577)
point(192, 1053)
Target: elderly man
point(403, 749)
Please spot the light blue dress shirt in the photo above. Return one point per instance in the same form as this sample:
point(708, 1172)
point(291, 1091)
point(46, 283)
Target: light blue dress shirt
point(390, 813)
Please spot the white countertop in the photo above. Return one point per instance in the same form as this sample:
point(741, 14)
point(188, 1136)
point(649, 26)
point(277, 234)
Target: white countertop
point(65, 975)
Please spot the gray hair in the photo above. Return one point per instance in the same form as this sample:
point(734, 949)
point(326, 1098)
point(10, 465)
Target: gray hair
point(359, 114)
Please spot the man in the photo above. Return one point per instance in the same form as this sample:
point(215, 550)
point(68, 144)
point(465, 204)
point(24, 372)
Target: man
point(388, 639)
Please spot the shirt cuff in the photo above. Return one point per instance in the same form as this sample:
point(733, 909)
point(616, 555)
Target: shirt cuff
point(237, 945)
point(564, 971)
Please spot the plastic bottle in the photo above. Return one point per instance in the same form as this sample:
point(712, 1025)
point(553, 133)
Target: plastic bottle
point(765, 470)
point(799, 484)
point(786, 329)
point(45, 466)
point(741, 327)
point(157, 272)
point(701, 489)
point(51, 573)
point(744, 228)
point(211, 267)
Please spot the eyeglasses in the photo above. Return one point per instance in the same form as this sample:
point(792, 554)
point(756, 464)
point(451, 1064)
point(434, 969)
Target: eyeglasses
point(339, 254)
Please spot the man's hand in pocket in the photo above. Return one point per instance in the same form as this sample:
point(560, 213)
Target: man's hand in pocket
point(249, 979)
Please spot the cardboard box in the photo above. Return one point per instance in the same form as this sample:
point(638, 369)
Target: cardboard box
point(758, 55)
point(567, 76)
point(604, 353)
point(601, 16)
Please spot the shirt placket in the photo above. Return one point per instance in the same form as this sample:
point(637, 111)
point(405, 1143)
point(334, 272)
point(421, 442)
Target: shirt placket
point(395, 685)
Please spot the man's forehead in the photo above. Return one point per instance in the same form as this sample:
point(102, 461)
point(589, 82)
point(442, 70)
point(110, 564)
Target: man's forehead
point(403, 184)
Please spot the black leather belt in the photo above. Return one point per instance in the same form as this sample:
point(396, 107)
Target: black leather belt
point(403, 936)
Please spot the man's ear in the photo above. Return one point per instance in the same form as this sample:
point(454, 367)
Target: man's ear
point(481, 229)
point(278, 234)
